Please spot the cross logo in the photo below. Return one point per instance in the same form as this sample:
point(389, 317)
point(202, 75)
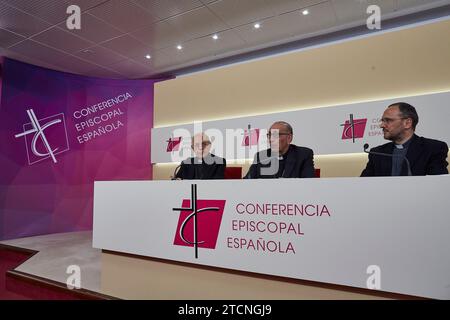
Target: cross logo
point(39, 146)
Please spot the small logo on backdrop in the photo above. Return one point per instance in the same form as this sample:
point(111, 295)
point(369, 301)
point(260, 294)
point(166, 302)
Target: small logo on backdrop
point(199, 222)
point(44, 145)
point(173, 144)
point(353, 128)
point(251, 137)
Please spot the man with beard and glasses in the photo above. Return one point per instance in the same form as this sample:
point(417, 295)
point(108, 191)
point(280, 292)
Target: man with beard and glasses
point(425, 156)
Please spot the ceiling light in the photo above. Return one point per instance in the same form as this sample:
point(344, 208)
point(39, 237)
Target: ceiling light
point(256, 26)
point(215, 37)
point(305, 12)
point(179, 47)
point(148, 56)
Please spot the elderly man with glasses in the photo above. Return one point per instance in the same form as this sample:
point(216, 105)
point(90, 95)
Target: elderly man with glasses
point(282, 159)
point(204, 165)
point(407, 153)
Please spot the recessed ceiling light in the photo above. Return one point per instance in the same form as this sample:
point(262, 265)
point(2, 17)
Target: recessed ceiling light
point(305, 12)
point(256, 26)
point(148, 56)
point(179, 47)
point(215, 36)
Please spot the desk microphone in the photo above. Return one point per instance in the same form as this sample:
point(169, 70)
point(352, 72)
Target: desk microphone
point(175, 172)
point(366, 146)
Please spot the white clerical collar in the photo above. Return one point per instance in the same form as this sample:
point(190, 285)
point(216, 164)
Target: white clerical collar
point(404, 144)
point(278, 156)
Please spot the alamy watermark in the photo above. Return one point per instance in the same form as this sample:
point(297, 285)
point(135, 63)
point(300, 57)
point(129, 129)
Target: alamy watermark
point(373, 282)
point(73, 21)
point(228, 144)
point(373, 22)
point(74, 279)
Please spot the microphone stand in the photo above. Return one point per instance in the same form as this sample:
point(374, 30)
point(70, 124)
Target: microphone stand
point(175, 172)
point(366, 146)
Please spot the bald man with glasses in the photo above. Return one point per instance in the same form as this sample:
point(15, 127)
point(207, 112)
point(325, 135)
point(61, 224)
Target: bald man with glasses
point(425, 156)
point(282, 159)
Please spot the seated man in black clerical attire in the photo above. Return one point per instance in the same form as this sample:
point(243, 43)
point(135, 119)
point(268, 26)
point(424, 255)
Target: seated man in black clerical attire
point(282, 159)
point(407, 153)
point(203, 165)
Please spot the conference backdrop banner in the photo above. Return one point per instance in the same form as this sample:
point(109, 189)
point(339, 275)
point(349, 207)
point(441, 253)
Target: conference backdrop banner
point(59, 133)
point(328, 130)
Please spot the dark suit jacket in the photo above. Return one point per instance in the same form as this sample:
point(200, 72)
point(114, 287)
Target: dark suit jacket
point(299, 163)
point(426, 157)
point(212, 168)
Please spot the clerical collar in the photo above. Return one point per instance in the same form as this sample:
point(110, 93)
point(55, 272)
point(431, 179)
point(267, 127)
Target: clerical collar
point(204, 159)
point(279, 156)
point(404, 145)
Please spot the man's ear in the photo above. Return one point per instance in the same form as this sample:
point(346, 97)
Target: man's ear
point(409, 123)
point(290, 138)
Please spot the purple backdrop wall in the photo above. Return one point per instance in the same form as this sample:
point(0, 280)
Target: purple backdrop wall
point(58, 134)
point(1, 63)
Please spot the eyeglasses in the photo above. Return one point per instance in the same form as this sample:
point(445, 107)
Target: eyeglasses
point(204, 144)
point(390, 120)
point(269, 135)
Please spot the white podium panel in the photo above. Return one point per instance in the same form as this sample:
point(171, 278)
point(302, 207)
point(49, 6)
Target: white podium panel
point(386, 233)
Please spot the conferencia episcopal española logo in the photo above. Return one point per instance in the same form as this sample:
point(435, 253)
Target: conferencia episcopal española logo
point(199, 222)
point(44, 138)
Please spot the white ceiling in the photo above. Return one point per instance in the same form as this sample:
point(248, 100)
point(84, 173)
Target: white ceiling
point(116, 35)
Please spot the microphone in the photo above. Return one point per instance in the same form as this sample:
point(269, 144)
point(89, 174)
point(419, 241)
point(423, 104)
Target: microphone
point(175, 172)
point(408, 166)
point(366, 146)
